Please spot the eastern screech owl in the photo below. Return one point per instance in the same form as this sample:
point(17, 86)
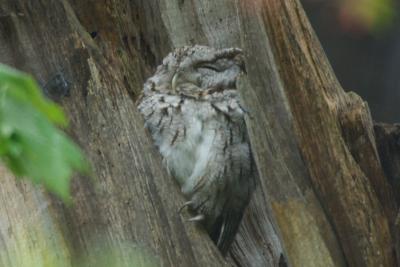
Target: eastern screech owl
point(191, 108)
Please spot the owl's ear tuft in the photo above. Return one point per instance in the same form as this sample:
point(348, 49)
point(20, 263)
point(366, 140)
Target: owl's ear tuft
point(228, 53)
point(239, 59)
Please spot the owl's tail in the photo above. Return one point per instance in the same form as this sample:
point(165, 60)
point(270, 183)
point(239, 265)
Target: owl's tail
point(224, 229)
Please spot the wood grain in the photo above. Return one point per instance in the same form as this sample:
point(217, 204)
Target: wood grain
point(325, 196)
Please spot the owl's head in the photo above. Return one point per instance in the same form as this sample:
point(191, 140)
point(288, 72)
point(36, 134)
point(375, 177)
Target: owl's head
point(194, 69)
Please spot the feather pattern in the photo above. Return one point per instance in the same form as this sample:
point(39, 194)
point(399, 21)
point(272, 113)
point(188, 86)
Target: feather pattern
point(192, 110)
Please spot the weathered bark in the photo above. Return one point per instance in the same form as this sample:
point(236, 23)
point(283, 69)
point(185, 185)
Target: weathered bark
point(304, 99)
point(322, 200)
point(388, 144)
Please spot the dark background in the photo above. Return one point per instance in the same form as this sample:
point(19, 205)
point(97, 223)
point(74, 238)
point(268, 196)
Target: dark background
point(365, 62)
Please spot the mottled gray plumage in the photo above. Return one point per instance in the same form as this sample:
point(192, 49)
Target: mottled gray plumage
point(191, 108)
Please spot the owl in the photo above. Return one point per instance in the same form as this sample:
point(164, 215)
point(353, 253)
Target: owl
point(192, 110)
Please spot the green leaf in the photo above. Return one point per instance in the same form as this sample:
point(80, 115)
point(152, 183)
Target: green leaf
point(30, 145)
point(25, 88)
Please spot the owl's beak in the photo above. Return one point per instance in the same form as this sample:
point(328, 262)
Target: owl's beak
point(174, 81)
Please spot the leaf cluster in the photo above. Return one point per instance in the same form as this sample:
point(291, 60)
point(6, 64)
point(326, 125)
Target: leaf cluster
point(31, 145)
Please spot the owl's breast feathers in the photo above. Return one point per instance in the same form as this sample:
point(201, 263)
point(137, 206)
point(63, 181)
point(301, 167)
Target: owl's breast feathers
point(205, 146)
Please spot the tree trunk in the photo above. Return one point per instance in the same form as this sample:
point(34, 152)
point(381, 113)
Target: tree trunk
point(323, 198)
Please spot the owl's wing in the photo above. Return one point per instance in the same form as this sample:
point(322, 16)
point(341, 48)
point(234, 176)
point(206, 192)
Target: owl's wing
point(233, 176)
point(233, 198)
point(223, 227)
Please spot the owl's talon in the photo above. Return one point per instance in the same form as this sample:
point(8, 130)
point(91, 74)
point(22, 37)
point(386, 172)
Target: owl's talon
point(188, 203)
point(197, 218)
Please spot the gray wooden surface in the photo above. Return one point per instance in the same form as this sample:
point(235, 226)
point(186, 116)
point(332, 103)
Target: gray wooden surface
point(322, 199)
